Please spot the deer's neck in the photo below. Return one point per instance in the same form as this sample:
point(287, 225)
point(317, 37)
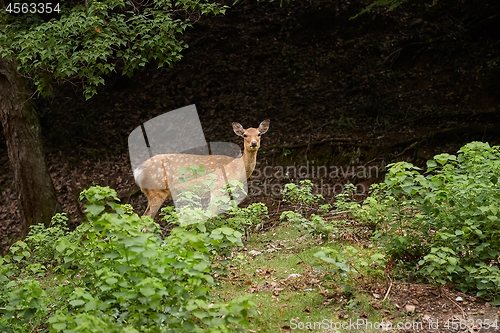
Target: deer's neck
point(249, 159)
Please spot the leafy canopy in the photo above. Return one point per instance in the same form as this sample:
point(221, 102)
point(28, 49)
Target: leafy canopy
point(88, 39)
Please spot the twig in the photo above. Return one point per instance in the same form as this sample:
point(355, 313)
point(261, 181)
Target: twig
point(464, 315)
point(388, 289)
point(413, 145)
point(370, 161)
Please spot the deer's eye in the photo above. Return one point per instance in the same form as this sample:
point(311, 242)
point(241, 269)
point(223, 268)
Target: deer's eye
point(244, 135)
point(258, 134)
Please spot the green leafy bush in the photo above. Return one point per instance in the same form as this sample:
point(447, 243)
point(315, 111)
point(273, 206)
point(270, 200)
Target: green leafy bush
point(302, 198)
point(315, 224)
point(226, 229)
point(347, 267)
point(239, 218)
point(42, 240)
point(445, 221)
point(344, 201)
point(300, 194)
point(114, 277)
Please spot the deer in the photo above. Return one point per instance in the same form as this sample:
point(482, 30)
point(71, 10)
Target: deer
point(157, 176)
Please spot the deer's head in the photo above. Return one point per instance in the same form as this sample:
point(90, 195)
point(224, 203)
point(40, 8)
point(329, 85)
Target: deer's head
point(251, 136)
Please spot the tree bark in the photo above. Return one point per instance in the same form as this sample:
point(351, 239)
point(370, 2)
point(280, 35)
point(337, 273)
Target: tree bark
point(21, 127)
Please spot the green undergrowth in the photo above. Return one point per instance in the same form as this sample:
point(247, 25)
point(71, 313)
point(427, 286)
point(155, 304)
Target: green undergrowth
point(294, 289)
point(319, 267)
point(442, 225)
point(114, 273)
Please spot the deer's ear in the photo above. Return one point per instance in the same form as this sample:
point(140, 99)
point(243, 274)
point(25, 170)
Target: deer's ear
point(264, 126)
point(238, 129)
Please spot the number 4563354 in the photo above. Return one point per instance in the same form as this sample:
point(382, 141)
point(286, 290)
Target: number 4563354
point(32, 8)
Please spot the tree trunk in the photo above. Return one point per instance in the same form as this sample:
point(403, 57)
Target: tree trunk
point(21, 128)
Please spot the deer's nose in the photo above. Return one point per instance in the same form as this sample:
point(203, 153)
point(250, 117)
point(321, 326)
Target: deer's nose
point(253, 144)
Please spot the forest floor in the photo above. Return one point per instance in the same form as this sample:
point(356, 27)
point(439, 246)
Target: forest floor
point(348, 94)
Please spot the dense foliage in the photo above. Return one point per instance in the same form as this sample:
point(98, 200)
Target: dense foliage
point(115, 273)
point(443, 224)
point(87, 40)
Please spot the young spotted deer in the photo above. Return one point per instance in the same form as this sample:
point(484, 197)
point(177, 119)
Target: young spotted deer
point(158, 176)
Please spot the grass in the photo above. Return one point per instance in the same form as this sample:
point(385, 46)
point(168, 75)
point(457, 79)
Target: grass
point(293, 289)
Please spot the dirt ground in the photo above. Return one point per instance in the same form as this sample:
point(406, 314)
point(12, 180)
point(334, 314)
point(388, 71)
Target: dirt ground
point(403, 85)
point(423, 308)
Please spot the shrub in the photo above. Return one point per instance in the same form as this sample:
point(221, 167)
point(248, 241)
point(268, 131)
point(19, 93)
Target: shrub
point(302, 198)
point(300, 194)
point(113, 277)
point(445, 221)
